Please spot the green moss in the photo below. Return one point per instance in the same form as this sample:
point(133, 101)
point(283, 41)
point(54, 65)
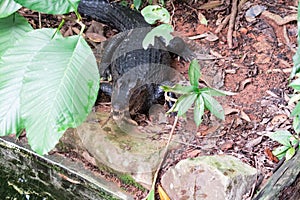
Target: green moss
point(128, 180)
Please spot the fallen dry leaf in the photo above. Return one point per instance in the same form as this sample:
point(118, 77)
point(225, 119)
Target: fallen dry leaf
point(244, 83)
point(279, 119)
point(209, 130)
point(95, 37)
point(229, 110)
point(227, 145)
point(194, 153)
point(162, 194)
point(211, 37)
point(76, 30)
point(210, 5)
point(254, 142)
point(270, 155)
point(244, 116)
point(69, 32)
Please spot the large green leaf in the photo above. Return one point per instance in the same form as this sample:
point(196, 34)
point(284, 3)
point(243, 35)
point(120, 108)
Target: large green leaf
point(60, 88)
point(184, 103)
point(163, 30)
point(296, 57)
point(280, 152)
point(295, 84)
point(12, 68)
point(8, 7)
point(50, 6)
point(194, 73)
point(137, 4)
point(199, 110)
point(215, 92)
point(296, 110)
point(213, 106)
point(290, 153)
point(12, 28)
point(281, 136)
point(153, 13)
point(179, 89)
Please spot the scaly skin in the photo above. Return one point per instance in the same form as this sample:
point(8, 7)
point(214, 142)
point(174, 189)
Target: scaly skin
point(136, 72)
point(112, 14)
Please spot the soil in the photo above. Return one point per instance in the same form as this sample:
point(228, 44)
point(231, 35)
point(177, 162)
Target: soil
point(256, 66)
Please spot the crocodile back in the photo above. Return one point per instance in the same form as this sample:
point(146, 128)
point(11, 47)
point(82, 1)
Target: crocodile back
point(113, 14)
point(130, 53)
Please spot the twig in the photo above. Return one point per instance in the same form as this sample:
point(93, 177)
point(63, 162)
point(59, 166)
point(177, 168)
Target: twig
point(223, 24)
point(165, 153)
point(40, 20)
point(173, 12)
point(231, 23)
point(226, 20)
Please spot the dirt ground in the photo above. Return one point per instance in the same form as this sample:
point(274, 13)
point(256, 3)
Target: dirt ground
point(256, 65)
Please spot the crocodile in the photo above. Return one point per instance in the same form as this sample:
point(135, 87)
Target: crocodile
point(136, 73)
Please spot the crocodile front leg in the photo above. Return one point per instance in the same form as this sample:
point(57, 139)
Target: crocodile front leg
point(135, 78)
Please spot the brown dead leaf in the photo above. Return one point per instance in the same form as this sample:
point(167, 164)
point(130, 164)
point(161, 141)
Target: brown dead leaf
point(227, 145)
point(229, 110)
point(210, 5)
point(244, 116)
point(194, 153)
point(76, 30)
point(162, 194)
point(254, 142)
point(95, 37)
point(210, 130)
point(244, 83)
point(69, 32)
point(211, 37)
point(95, 27)
point(270, 155)
point(279, 119)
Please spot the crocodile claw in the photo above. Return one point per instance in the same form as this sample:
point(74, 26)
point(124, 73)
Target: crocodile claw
point(123, 117)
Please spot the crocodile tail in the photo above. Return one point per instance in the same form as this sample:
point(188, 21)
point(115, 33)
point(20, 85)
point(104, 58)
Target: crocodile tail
point(113, 14)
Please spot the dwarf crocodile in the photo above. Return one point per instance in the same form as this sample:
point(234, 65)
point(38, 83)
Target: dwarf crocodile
point(136, 72)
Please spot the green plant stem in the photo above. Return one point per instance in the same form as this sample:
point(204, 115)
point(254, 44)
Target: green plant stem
point(59, 27)
point(75, 10)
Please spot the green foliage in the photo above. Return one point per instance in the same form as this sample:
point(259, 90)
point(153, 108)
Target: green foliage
point(296, 58)
point(8, 7)
point(12, 28)
point(289, 142)
point(151, 194)
point(153, 14)
point(201, 97)
point(137, 4)
point(50, 6)
point(128, 180)
point(295, 98)
point(48, 83)
point(284, 137)
point(163, 30)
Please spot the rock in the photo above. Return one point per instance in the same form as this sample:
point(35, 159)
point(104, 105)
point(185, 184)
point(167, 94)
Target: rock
point(220, 177)
point(133, 153)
